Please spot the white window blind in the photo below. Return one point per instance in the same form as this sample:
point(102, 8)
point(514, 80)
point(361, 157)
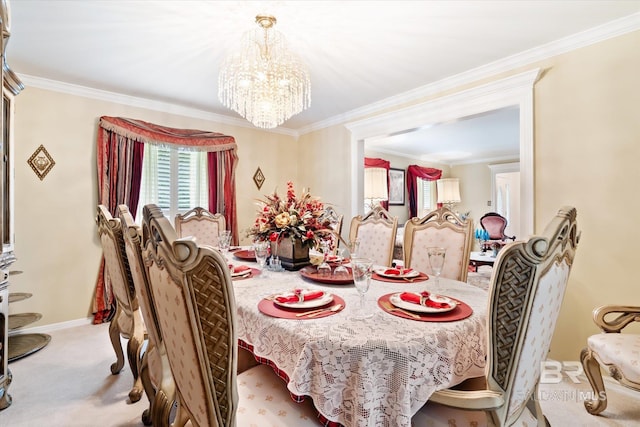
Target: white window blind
point(175, 180)
point(425, 196)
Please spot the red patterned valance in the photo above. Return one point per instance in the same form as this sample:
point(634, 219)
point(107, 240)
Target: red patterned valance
point(149, 133)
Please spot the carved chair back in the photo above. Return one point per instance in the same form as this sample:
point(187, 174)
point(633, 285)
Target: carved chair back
point(193, 293)
point(376, 232)
point(439, 228)
point(127, 320)
point(201, 224)
point(336, 225)
point(528, 285)
point(495, 224)
point(155, 373)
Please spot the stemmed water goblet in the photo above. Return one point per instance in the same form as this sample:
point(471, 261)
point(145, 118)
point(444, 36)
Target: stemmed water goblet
point(261, 250)
point(362, 269)
point(436, 261)
point(341, 271)
point(224, 240)
point(324, 269)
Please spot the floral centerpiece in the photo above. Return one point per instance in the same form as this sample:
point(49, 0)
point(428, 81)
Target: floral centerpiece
point(302, 221)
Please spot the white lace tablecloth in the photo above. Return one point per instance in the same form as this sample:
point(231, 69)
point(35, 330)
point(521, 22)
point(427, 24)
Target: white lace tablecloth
point(376, 372)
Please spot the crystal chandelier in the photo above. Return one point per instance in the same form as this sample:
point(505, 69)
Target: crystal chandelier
point(264, 82)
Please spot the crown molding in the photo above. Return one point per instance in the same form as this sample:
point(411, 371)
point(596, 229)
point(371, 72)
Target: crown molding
point(149, 104)
point(585, 38)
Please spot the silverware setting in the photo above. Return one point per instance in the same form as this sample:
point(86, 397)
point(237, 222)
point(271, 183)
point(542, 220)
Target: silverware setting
point(390, 307)
point(319, 311)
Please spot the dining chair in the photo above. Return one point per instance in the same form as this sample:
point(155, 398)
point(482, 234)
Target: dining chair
point(495, 224)
point(194, 300)
point(528, 286)
point(440, 228)
point(376, 232)
point(154, 367)
point(612, 350)
point(201, 224)
point(127, 320)
point(336, 220)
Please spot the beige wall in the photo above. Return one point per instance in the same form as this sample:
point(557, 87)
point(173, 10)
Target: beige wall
point(586, 155)
point(56, 242)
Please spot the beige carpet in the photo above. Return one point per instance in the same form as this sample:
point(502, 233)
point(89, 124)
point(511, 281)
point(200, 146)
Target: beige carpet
point(69, 384)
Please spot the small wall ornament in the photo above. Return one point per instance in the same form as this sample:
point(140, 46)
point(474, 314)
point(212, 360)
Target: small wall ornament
point(258, 178)
point(41, 162)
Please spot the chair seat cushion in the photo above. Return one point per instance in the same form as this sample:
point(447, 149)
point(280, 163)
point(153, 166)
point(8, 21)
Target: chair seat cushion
point(435, 415)
point(265, 401)
point(621, 350)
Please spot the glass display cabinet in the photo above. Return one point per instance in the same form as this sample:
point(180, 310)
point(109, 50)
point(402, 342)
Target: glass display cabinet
point(11, 86)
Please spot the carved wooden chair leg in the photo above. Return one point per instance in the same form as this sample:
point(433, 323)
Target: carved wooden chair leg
point(149, 390)
point(181, 416)
point(134, 346)
point(162, 406)
point(114, 334)
point(594, 375)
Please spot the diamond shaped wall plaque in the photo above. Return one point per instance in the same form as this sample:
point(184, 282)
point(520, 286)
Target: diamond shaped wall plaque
point(258, 178)
point(41, 162)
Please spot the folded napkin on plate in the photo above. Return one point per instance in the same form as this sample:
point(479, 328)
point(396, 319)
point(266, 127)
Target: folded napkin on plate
point(239, 269)
point(398, 271)
point(423, 299)
point(306, 296)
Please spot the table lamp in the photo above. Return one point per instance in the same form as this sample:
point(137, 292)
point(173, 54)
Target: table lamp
point(448, 191)
point(375, 185)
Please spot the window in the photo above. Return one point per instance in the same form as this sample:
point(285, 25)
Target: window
point(175, 180)
point(426, 197)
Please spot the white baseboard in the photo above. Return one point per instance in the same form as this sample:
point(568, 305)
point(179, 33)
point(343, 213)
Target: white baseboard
point(53, 326)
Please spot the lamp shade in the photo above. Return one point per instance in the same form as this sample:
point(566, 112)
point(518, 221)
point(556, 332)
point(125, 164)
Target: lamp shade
point(375, 184)
point(448, 190)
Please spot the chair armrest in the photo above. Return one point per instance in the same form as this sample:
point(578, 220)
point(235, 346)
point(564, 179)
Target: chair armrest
point(627, 315)
point(469, 399)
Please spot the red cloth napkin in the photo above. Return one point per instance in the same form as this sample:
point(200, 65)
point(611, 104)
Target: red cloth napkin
point(398, 271)
point(305, 296)
point(239, 268)
point(417, 299)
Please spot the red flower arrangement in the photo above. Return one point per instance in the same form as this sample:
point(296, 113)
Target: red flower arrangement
point(301, 218)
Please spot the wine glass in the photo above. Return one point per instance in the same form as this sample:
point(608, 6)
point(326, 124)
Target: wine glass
point(341, 272)
point(324, 269)
point(353, 248)
point(261, 249)
point(362, 268)
point(436, 261)
point(224, 240)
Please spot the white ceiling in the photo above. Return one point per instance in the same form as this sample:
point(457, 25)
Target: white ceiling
point(358, 52)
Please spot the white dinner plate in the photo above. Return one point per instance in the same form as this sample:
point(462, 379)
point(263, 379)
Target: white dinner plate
point(381, 272)
point(326, 298)
point(395, 300)
point(240, 273)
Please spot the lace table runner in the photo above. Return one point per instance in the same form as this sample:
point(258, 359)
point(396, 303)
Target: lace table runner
point(376, 372)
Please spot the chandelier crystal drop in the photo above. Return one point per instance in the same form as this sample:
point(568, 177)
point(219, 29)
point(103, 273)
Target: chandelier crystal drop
point(264, 82)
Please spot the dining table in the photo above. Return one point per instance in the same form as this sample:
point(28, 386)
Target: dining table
point(362, 373)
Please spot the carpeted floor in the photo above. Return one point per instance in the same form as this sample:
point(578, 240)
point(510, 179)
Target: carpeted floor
point(69, 384)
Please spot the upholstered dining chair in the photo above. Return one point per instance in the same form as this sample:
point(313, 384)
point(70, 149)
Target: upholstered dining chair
point(127, 320)
point(441, 228)
point(376, 232)
point(613, 350)
point(195, 304)
point(336, 220)
point(154, 367)
point(495, 224)
point(201, 224)
point(529, 283)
